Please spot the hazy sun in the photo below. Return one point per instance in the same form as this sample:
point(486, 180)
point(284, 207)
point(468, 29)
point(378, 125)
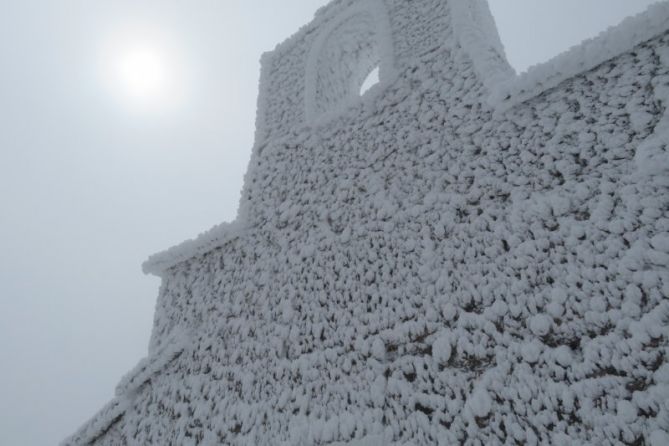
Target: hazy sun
point(142, 73)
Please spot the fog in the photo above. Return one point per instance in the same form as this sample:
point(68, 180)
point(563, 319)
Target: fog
point(99, 169)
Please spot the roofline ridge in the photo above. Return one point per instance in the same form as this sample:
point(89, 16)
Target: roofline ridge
point(590, 53)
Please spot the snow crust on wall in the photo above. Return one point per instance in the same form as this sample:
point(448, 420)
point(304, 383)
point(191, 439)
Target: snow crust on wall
point(424, 269)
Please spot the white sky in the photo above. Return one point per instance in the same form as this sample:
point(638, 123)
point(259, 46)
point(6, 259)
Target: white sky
point(91, 182)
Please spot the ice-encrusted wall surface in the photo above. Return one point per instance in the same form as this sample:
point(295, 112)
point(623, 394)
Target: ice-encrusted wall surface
point(424, 269)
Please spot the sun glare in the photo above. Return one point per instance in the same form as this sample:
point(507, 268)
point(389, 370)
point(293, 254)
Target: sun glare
point(143, 74)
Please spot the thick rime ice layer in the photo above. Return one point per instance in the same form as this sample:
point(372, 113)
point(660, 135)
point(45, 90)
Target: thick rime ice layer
point(421, 268)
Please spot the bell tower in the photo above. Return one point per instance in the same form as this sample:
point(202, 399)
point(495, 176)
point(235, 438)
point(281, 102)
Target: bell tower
point(316, 74)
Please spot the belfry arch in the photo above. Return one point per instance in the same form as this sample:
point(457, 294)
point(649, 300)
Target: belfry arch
point(342, 57)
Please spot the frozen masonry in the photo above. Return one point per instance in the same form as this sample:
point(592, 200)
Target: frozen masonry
point(458, 256)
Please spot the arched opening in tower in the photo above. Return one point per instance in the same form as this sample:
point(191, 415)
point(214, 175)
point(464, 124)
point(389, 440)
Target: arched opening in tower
point(371, 80)
point(348, 59)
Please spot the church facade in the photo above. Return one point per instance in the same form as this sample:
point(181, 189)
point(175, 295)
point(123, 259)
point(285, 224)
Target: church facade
point(460, 255)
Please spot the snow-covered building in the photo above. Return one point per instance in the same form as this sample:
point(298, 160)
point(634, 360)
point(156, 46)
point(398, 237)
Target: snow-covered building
point(460, 255)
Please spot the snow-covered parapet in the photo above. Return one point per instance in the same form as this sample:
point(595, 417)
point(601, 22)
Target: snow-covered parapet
point(581, 58)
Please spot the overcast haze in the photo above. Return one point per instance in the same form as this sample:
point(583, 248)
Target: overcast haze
point(94, 176)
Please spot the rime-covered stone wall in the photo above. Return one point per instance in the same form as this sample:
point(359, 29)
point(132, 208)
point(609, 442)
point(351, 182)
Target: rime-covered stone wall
point(432, 263)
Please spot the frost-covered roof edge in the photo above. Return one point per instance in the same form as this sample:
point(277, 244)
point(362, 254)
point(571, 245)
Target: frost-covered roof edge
point(178, 341)
point(99, 424)
point(203, 243)
point(587, 55)
point(133, 380)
